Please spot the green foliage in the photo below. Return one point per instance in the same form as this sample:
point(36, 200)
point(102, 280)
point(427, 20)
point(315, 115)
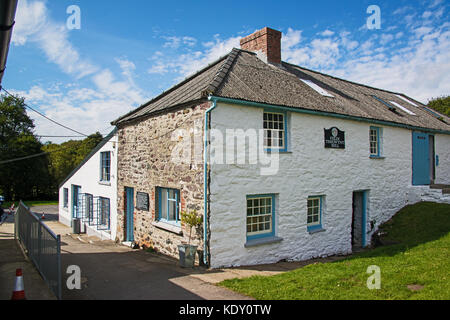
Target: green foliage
point(38, 177)
point(418, 260)
point(25, 179)
point(441, 105)
point(67, 156)
point(192, 220)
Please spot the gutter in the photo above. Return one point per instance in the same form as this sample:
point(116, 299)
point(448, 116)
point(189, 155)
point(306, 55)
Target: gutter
point(326, 114)
point(7, 15)
point(205, 182)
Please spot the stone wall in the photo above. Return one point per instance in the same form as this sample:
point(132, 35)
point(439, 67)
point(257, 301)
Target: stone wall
point(146, 161)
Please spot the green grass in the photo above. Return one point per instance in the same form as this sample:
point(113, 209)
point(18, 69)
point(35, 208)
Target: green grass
point(420, 256)
point(31, 203)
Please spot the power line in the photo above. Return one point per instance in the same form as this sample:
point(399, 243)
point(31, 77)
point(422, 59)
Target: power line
point(43, 115)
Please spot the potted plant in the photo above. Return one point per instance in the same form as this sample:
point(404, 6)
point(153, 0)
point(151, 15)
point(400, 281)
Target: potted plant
point(187, 251)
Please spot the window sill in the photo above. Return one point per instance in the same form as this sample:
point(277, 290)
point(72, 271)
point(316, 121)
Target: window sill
point(105, 183)
point(278, 151)
point(168, 227)
point(376, 157)
point(262, 241)
point(316, 230)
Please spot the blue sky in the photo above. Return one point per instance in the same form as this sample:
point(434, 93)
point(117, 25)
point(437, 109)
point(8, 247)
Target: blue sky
point(126, 53)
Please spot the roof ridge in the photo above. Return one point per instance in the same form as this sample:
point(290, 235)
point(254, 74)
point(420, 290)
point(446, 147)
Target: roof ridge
point(173, 88)
point(349, 81)
point(222, 72)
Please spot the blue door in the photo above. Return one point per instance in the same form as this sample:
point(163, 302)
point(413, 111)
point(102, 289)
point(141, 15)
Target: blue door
point(76, 190)
point(420, 159)
point(129, 215)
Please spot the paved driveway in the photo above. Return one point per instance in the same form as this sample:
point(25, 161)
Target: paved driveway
point(111, 271)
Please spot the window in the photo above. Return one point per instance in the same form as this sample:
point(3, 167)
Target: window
point(103, 214)
point(316, 88)
point(275, 131)
point(105, 166)
point(406, 100)
point(375, 142)
point(260, 216)
point(402, 108)
point(66, 197)
point(314, 214)
point(168, 203)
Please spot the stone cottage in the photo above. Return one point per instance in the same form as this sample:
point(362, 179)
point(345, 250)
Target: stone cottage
point(283, 162)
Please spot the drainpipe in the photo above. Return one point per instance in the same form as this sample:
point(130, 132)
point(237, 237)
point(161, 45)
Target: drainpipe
point(7, 15)
point(205, 182)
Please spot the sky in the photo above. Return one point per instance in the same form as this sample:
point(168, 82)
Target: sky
point(123, 53)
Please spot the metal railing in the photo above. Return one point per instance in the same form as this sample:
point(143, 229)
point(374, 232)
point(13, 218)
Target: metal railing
point(42, 246)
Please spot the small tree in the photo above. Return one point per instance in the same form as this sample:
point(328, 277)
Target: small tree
point(192, 220)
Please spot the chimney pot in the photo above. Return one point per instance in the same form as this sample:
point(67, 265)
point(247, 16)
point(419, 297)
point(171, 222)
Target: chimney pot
point(267, 42)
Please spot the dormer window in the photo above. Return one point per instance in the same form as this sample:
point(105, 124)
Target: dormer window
point(316, 88)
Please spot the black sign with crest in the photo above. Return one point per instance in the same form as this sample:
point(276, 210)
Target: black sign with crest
point(334, 138)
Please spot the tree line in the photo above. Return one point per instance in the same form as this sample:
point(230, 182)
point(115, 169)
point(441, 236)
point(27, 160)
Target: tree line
point(40, 167)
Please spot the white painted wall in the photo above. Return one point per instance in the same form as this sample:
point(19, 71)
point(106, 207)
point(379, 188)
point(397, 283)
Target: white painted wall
point(442, 145)
point(88, 178)
point(310, 169)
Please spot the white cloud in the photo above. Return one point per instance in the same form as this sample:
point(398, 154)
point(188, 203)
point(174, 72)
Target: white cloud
point(188, 63)
point(327, 33)
point(34, 25)
point(85, 109)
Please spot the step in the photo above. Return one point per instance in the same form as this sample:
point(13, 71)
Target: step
point(439, 186)
point(446, 191)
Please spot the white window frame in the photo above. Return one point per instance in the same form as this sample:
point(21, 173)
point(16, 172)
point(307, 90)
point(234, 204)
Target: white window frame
point(260, 214)
point(319, 208)
point(275, 132)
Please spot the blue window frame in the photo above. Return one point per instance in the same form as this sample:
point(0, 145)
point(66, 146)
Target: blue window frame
point(105, 166)
point(314, 213)
point(275, 131)
point(260, 216)
point(168, 204)
point(66, 197)
point(375, 142)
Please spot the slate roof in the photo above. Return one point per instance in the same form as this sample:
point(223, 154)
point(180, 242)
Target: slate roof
point(242, 75)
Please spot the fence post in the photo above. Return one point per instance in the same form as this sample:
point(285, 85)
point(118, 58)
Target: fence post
point(58, 254)
point(39, 243)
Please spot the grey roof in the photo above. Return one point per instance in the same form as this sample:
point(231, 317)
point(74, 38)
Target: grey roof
point(242, 75)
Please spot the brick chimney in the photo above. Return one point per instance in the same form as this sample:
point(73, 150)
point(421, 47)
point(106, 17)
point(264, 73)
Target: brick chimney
point(266, 42)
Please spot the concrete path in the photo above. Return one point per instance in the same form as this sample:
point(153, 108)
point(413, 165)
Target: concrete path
point(12, 258)
point(112, 271)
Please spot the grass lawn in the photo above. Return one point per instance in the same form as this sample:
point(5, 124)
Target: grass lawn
point(420, 259)
point(31, 203)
